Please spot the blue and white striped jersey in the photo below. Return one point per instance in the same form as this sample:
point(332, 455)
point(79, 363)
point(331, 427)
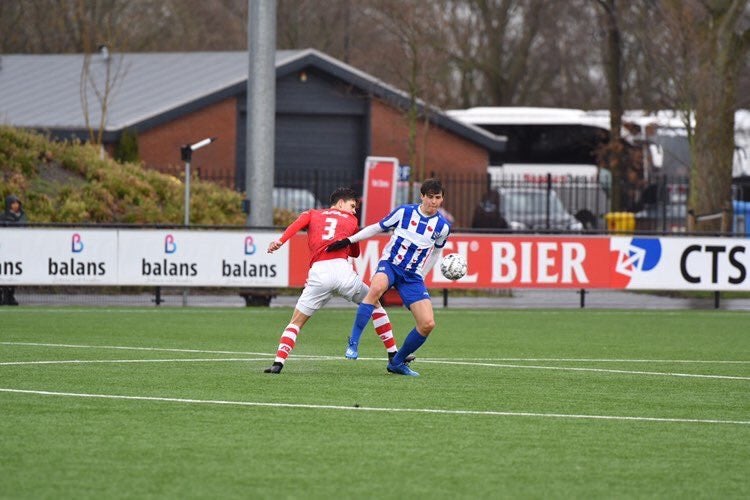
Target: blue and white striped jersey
point(414, 236)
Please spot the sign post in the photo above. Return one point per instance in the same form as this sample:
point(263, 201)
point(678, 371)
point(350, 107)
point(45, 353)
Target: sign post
point(379, 198)
point(379, 194)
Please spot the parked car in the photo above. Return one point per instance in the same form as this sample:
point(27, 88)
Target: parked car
point(663, 206)
point(294, 199)
point(662, 217)
point(532, 209)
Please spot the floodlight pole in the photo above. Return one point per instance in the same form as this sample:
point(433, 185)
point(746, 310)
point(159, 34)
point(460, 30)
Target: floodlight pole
point(186, 152)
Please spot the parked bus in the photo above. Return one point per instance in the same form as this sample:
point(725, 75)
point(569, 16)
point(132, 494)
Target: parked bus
point(549, 145)
point(563, 144)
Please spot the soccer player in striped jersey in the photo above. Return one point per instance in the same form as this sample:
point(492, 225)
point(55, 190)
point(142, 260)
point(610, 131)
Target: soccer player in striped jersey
point(419, 232)
point(330, 272)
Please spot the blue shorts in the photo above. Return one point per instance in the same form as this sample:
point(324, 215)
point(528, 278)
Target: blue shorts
point(408, 284)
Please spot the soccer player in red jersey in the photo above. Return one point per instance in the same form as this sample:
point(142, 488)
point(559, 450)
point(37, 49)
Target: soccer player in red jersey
point(330, 272)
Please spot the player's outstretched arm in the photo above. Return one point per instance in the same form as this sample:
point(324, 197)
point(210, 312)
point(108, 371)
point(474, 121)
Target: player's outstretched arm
point(274, 245)
point(302, 222)
point(363, 234)
point(338, 245)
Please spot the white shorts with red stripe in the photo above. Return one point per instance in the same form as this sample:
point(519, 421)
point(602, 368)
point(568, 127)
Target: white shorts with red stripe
point(329, 277)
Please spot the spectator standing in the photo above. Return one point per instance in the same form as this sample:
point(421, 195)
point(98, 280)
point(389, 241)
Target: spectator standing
point(13, 214)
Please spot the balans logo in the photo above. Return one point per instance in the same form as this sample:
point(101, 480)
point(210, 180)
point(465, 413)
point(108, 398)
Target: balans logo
point(245, 269)
point(76, 244)
point(249, 246)
point(75, 267)
point(166, 267)
point(169, 244)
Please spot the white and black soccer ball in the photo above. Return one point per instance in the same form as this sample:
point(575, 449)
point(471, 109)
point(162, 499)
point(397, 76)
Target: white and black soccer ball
point(453, 266)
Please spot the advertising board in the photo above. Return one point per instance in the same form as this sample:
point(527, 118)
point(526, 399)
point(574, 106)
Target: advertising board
point(178, 257)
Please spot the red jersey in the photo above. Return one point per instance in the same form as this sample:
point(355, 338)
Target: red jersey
point(324, 226)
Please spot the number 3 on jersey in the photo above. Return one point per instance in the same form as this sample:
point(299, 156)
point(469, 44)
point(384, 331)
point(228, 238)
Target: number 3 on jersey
point(329, 231)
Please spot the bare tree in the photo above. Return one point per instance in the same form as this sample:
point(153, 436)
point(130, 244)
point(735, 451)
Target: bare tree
point(326, 26)
point(63, 26)
point(102, 80)
point(408, 55)
point(199, 25)
point(701, 53)
point(614, 155)
point(721, 43)
point(489, 44)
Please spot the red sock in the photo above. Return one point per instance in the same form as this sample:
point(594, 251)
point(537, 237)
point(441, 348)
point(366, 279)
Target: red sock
point(286, 343)
point(383, 329)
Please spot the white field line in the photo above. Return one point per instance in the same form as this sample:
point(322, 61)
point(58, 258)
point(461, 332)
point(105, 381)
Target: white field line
point(333, 358)
point(377, 409)
point(127, 348)
point(62, 309)
point(604, 360)
point(471, 360)
point(104, 361)
point(597, 370)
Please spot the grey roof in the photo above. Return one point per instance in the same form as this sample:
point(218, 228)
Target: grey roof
point(44, 91)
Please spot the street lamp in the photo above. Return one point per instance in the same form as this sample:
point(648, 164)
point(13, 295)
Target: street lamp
point(186, 152)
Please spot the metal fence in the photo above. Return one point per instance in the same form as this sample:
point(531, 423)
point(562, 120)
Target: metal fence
point(505, 203)
point(473, 201)
point(541, 203)
point(659, 206)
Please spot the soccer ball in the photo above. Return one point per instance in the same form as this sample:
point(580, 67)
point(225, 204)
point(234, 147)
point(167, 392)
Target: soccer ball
point(453, 266)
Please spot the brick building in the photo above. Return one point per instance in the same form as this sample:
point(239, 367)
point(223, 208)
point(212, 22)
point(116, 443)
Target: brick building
point(329, 115)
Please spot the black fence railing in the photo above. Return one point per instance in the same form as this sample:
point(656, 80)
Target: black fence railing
point(500, 203)
point(659, 205)
point(541, 203)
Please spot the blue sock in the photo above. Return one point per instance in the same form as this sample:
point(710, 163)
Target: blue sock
point(364, 312)
point(412, 342)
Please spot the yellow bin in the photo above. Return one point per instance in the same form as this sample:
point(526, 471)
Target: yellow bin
point(620, 222)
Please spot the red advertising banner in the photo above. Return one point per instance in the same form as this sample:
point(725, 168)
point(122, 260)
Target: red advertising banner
point(379, 194)
point(498, 261)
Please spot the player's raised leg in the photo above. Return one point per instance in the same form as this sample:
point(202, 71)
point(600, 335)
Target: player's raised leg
point(287, 341)
point(383, 329)
point(378, 285)
point(364, 312)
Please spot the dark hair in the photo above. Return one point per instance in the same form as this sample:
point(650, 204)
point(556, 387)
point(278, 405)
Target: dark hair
point(343, 193)
point(431, 186)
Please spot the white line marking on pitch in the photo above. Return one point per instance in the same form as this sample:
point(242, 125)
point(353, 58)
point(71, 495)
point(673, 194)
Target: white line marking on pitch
point(377, 409)
point(422, 360)
point(162, 349)
point(607, 360)
point(577, 369)
point(125, 348)
point(328, 358)
point(128, 309)
point(85, 361)
point(551, 360)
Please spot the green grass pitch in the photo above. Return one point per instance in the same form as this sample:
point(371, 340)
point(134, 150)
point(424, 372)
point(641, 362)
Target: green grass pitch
point(172, 403)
